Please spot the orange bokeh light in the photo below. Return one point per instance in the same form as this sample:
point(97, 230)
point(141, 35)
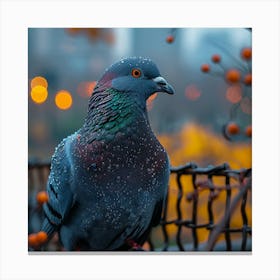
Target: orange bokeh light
point(63, 99)
point(234, 94)
point(150, 101)
point(192, 92)
point(39, 94)
point(246, 105)
point(74, 31)
point(39, 81)
point(85, 89)
point(109, 38)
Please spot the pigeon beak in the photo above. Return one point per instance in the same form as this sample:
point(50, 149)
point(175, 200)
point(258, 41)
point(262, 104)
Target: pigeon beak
point(163, 86)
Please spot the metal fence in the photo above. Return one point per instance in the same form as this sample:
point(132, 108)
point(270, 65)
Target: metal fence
point(194, 190)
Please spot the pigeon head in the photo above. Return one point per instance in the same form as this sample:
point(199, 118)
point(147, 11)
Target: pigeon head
point(136, 76)
point(119, 98)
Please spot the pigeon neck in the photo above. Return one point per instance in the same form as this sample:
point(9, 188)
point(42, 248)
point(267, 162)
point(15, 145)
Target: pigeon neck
point(112, 113)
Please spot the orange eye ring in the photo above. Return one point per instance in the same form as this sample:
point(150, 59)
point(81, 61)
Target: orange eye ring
point(136, 73)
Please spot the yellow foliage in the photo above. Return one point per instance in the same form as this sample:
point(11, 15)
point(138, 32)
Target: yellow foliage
point(198, 144)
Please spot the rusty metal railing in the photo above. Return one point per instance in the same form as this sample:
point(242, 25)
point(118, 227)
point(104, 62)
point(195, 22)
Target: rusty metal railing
point(189, 185)
point(215, 227)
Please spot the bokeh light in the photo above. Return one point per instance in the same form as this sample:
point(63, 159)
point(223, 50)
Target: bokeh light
point(39, 94)
point(73, 31)
point(39, 81)
point(109, 38)
point(234, 94)
point(94, 34)
point(39, 131)
point(246, 105)
point(63, 99)
point(85, 89)
point(192, 92)
point(150, 101)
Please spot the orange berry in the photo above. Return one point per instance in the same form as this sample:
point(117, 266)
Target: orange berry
point(246, 53)
point(42, 197)
point(248, 131)
point(248, 79)
point(233, 128)
point(205, 68)
point(233, 76)
point(216, 58)
point(32, 240)
point(42, 237)
point(170, 39)
point(73, 31)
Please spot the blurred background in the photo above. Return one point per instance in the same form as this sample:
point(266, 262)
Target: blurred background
point(207, 121)
point(73, 59)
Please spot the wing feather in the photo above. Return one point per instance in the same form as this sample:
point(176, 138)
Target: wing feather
point(58, 187)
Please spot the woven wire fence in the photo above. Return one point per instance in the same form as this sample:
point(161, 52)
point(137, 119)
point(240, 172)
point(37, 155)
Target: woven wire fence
point(219, 192)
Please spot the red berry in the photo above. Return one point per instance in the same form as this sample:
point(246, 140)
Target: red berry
point(216, 58)
point(32, 240)
point(42, 237)
point(170, 39)
point(42, 197)
point(248, 79)
point(248, 131)
point(205, 68)
point(233, 128)
point(233, 76)
point(246, 53)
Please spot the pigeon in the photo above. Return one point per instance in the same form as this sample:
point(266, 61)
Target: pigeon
point(108, 181)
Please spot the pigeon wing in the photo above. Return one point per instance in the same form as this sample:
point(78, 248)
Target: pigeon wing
point(59, 188)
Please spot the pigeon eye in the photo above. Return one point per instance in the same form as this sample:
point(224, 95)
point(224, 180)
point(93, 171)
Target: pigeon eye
point(136, 73)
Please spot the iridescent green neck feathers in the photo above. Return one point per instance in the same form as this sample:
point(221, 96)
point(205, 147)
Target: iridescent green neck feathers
point(112, 112)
